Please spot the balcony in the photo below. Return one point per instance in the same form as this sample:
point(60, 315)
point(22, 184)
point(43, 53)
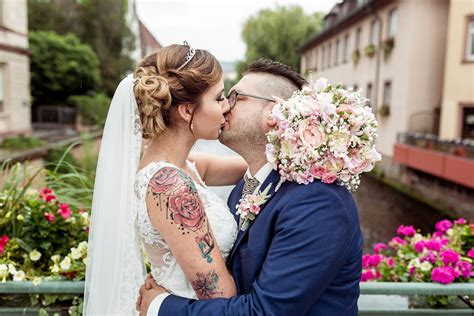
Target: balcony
point(449, 160)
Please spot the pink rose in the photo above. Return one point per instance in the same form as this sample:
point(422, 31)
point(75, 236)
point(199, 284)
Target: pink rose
point(419, 246)
point(365, 261)
point(375, 260)
point(390, 262)
point(187, 209)
point(311, 135)
point(464, 268)
point(397, 241)
point(329, 177)
point(49, 217)
point(166, 179)
point(255, 209)
point(64, 211)
point(367, 276)
point(318, 171)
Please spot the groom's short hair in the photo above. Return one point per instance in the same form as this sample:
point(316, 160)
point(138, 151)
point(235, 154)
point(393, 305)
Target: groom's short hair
point(285, 79)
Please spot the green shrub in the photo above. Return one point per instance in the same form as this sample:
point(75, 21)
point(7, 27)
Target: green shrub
point(93, 109)
point(22, 142)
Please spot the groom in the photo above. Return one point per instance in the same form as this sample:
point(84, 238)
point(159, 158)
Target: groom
point(302, 253)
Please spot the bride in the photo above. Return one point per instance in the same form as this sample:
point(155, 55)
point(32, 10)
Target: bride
point(155, 197)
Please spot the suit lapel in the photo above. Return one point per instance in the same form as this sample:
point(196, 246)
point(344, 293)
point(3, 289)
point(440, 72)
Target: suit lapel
point(234, 199)
point(272, 178)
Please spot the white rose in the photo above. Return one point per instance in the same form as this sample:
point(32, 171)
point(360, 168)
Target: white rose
point(414, 263)
point(35, 255)
point(450, 232)
point(85, 260)
point(55, 258)
point(417, 238)
point(65, 264)
point(75, 253)
point(19, 276)
point(426, 266)
point(82, 246)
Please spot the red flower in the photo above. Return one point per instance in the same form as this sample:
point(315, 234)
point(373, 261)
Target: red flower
point(187, 209)
point(3, 242)
point(49, 217)
point(47, 195)
point(64, 211)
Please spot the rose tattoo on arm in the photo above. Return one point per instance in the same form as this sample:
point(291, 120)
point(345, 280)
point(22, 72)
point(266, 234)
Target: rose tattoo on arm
point(183, 206)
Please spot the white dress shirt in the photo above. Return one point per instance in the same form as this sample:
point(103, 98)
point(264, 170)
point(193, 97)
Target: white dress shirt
point(261, 175)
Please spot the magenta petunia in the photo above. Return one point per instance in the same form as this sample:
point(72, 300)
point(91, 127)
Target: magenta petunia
point(379, 247)
point(464, 268)
point(449, 256)
point(365, 261)
point(434, 244)
point(49, 217)
point(367, 276)
point(397, 241)
point(390, 262)
point(443, 275)
point(406, 231)
point(470, 253)
point(460, 221)
point(64, 211)
point(375, 260)
point(419, 246)
point(443, 225)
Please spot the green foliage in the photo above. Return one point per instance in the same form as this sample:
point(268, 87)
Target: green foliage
point(61, 66)
point(278, 34)
point(93, 109)
point(21, 142)
point(101, 24)
point(58, 159)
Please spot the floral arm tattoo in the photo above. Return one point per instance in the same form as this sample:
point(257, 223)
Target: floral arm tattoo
point(205, 285)
point(183, 206)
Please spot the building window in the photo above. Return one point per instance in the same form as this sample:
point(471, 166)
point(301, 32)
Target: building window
point(329, 56)
point(2, 89)
point(470, 39)
point(468, 123)
point(392, 23)
point(356, 87)
point(374, 32)
point(323, 54)
point(369, 93)
point(345, 48)
point(336, 55)
point(314, 60)
point(357, 39)
point(387, 93)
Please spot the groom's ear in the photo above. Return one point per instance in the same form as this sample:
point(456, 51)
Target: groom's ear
point(269, 119)
point(185, 111)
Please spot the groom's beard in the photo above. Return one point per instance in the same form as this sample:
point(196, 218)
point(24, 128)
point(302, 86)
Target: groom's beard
point(245, 136)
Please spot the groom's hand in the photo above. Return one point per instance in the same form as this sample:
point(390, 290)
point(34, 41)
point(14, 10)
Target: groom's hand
point(148, 292)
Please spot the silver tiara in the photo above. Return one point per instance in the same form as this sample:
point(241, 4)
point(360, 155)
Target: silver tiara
point(189, 55)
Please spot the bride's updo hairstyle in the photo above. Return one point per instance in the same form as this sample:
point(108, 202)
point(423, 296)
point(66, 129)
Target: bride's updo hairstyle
point(167, 78)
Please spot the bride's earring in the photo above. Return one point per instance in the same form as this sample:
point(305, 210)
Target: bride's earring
point(192, 126)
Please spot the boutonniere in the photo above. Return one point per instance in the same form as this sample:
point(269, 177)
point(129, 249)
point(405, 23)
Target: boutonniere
point(249, 207)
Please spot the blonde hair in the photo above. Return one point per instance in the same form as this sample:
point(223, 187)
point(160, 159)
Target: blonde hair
point(160, 86)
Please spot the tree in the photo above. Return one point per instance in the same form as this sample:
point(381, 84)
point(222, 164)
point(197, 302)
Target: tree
point(61, 66)
point(278, 34)
point(101, 24)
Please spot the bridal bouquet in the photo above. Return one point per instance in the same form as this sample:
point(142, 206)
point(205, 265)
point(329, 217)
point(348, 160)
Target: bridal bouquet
point(323, 132)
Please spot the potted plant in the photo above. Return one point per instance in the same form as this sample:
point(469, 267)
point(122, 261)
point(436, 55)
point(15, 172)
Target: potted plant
point(355, 56)
point(369, 50)
point(384, 110)
point(387, 46)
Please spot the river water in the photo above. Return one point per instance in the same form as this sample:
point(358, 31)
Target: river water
point(381, 208)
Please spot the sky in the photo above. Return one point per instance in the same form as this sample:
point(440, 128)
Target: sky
point(211, 24)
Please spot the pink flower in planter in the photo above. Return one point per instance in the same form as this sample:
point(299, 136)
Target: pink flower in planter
point(460, 221)
point(367, 276)
point(443, 225)
point(470, 253)
point(464, 268)
point(433, 244)
point(379, 247)
point(444, 275)
point(365, 261)
point(47, 195)
point(396, 242)
point(449, 256)
point(49, 217)
point(430, 257)
point(3, 242)
point(375, 260)
point(406, 231)
point(64, 211)
point(412, 270)
point(419, 246)
point(390, 262)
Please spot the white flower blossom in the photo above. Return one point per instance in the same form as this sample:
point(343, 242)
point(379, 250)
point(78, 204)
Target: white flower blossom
point(425, 266)
point(19, 276)
point(76, 253)
point(65, 264)
point(35, 255)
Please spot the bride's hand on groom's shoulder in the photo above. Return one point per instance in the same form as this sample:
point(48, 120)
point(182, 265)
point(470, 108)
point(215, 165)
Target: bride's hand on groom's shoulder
point(148, 292)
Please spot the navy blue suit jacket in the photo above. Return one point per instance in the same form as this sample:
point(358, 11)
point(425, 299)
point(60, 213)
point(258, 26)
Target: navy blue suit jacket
point(301, 256)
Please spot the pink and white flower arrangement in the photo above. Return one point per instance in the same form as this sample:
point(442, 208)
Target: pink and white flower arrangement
point(323, 132)
point(250, 205)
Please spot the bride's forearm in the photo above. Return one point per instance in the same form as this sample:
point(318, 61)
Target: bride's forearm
point(219, 170)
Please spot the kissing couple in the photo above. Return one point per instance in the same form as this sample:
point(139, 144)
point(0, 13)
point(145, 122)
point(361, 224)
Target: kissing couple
point(275, 248)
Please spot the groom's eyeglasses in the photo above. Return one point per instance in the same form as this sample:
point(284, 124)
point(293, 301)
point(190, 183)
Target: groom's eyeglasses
point(233, 95)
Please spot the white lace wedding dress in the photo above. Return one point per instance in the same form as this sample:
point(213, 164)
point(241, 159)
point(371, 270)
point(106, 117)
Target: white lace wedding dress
point(165, 270)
